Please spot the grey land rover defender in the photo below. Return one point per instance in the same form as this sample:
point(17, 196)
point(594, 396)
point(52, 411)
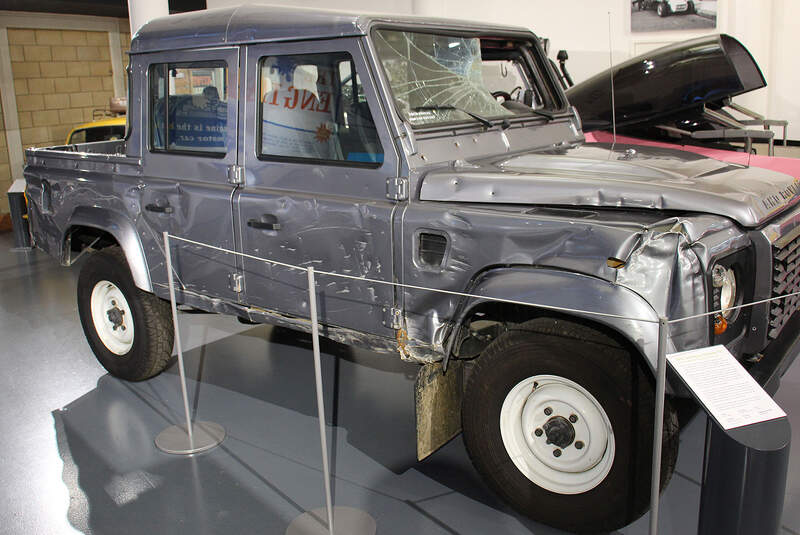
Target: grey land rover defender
point(436, 154)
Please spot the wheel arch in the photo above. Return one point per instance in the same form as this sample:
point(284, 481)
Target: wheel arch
point(107, 225)
point(592, 302)
point(560, 294)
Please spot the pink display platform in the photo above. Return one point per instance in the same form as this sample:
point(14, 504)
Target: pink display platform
point(790, 166)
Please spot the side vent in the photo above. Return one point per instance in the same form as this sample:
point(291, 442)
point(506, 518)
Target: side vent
point(431, 249)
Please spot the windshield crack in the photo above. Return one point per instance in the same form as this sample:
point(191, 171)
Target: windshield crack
point(437, 78)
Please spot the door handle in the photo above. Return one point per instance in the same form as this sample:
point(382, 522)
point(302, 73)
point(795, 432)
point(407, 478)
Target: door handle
point(166, 209)
point(267, 222)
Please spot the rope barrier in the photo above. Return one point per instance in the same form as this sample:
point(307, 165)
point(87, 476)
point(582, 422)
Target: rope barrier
point(415, 287)
point(474, 296)
point(661, 364)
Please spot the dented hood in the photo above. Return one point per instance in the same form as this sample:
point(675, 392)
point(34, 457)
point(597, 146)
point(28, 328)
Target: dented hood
point(594, 175)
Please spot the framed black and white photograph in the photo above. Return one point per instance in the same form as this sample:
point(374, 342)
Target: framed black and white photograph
point(672, 15)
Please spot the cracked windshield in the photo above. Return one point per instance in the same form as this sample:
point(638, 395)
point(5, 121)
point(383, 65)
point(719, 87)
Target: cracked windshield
point(437, 79)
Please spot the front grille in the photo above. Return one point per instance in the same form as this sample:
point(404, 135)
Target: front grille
point(785, 280)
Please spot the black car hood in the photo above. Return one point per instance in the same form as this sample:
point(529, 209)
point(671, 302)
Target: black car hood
point(667, 81)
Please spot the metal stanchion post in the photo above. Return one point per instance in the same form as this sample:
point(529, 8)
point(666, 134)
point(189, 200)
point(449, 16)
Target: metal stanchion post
point(197, 437)
point(349, 521)
point(658, 423)
point(312, 305)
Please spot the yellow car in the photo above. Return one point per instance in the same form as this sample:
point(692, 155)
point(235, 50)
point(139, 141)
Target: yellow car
point(102, 130)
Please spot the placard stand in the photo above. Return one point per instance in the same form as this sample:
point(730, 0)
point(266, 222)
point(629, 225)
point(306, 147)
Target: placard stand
point(744, 478)
point(748, 438)
point(330, 520)
point(193, 437)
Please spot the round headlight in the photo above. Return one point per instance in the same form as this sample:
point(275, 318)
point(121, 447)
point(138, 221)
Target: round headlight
point(724, 280)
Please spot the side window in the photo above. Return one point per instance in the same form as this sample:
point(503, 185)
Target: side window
point(189, 107)
point(313, 107)
point(97, 133)
point(78, 136)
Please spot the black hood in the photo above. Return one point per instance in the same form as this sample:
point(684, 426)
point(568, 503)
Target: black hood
point(667, 81)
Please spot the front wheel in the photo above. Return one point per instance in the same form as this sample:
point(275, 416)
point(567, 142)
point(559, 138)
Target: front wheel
point(662, 9)
point(558, 419)
point(130, 331)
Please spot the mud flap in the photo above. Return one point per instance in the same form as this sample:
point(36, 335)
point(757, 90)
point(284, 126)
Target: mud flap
point(438, 405)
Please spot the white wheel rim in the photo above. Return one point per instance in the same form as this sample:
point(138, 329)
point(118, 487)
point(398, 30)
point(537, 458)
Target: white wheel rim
point(112, 318)
point(542, 404)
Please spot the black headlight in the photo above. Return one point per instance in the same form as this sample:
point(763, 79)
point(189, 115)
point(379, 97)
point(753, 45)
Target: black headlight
point(730, 284)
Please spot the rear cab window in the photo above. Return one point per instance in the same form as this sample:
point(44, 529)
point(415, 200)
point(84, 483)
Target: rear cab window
point(189, 107)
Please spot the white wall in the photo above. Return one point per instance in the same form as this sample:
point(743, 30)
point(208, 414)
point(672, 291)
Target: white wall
point(768, 28)
point(355, 6)
point(140, 12)
point(784, 75)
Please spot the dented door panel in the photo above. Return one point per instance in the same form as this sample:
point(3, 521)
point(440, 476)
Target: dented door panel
point(308, 200)
point(184, 191)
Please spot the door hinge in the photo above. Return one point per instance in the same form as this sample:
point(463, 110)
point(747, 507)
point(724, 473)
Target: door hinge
point(235, 281)
point(236, 174)
point(392, 317)
point(397, 188)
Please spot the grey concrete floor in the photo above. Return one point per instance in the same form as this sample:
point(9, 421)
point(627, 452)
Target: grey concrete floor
point(78, 453)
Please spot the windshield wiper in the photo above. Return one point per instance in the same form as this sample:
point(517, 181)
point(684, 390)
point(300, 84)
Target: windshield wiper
point(444, 107)
point(543, 113)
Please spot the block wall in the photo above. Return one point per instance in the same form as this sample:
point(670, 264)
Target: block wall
point(5, 170)
point(60, 78)
point(125, 43)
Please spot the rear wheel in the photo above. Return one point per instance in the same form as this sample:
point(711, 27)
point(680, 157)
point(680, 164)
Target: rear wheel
point(558, 419)
point(129, 331)
point(662, 9)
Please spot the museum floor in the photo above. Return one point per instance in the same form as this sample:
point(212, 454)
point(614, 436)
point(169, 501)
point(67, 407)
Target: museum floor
point(77, 445)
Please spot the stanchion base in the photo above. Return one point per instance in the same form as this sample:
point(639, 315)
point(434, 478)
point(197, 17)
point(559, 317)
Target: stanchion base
point(346, 521)
point(174, 439)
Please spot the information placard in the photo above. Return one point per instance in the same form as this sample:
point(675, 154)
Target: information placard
point(730, 395)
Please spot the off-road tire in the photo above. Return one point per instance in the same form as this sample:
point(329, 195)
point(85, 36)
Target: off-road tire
point(152, 318)
point(620, 383)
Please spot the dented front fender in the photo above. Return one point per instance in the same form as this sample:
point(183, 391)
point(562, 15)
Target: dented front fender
point(577, 295)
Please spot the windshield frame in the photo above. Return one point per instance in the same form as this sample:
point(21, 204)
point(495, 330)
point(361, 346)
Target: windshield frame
point(534, 64)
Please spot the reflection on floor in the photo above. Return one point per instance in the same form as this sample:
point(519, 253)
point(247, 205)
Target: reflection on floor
point(78, 444)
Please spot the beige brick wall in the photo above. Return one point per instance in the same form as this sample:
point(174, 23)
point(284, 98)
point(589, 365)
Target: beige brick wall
point(60, 77)
point(5, 170)
point(125, 42)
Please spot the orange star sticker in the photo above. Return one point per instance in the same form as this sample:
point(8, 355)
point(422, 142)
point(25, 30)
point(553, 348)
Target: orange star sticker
point(323, 133)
